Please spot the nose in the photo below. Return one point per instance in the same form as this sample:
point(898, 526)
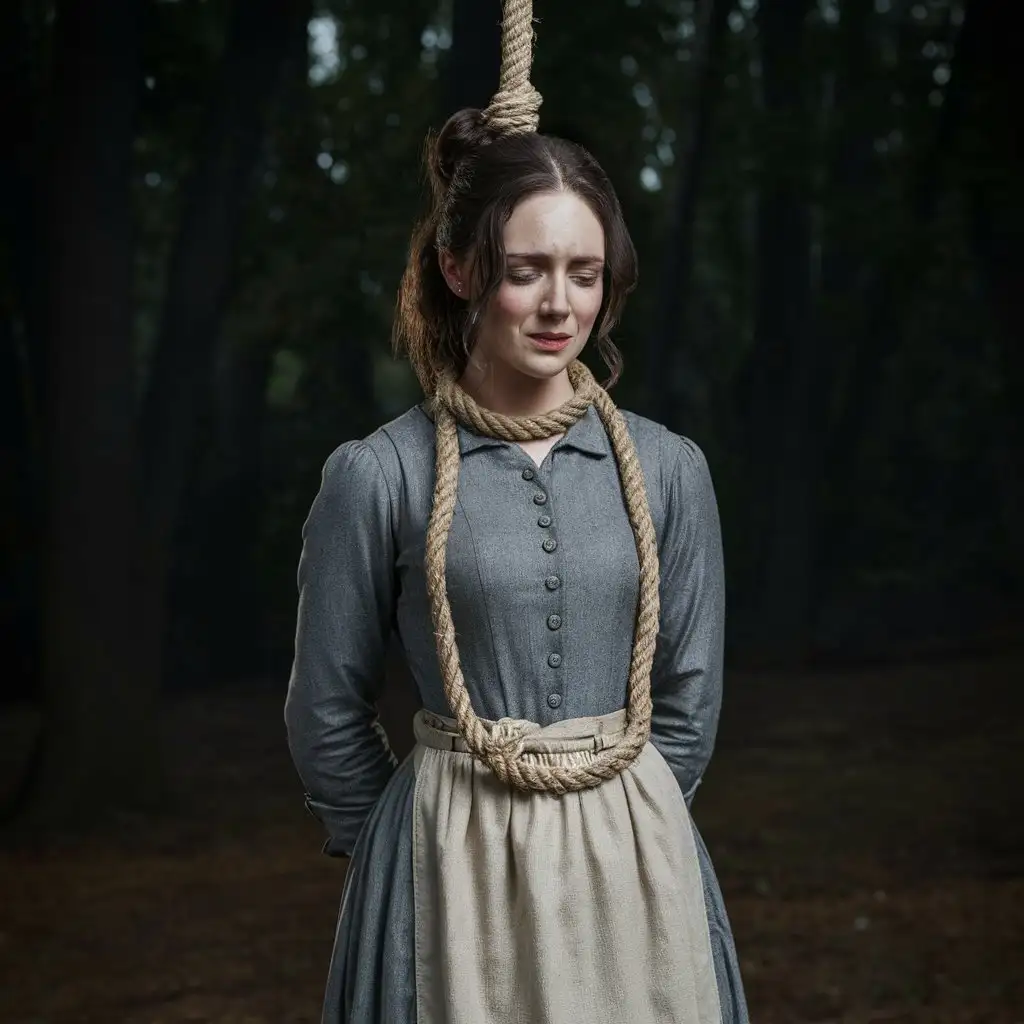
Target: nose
point(555, 303)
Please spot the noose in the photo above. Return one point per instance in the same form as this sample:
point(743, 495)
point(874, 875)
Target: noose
point(500, 745)
point(514, 108)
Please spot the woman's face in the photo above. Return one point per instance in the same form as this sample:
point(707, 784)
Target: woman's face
point(542, 314)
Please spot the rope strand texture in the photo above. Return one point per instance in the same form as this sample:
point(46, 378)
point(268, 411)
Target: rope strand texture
point(500, 746)
point(514, 108)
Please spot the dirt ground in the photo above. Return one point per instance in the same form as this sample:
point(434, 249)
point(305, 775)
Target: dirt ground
point(868, 828)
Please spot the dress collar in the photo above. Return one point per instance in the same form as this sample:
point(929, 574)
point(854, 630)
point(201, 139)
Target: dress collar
point(587, 434)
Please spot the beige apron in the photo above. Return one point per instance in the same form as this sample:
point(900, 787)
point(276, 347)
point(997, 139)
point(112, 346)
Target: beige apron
point(534, 908)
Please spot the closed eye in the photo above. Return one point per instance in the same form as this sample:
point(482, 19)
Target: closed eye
point(528, 277)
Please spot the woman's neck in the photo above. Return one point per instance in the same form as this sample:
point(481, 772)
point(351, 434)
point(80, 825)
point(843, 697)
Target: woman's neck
point(515, 394)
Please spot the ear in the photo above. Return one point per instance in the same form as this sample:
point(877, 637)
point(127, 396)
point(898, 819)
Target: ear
point(454, 274)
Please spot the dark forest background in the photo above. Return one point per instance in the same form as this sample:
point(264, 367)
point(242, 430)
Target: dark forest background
point(204, 213)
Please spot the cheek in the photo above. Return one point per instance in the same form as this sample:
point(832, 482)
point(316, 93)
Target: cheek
point(588, 304)
point(512, 304)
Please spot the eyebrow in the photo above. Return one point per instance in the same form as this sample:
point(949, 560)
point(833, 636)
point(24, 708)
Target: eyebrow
point(543, 257)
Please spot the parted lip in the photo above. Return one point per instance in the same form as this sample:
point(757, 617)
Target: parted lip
point(550, 336)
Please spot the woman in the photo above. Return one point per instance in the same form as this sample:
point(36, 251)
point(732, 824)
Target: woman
point(552, 566)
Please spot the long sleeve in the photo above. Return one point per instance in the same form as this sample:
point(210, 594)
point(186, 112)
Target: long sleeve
point(347, 594)
point(686, 681)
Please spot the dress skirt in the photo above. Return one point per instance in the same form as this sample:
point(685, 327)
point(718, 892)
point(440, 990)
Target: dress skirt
point(547, 909)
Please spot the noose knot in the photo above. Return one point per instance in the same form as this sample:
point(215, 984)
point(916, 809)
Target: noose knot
point(514, 108)
point(515, 111)
point(506, 738)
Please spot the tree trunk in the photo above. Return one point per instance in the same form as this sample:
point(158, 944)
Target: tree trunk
point(781, 372)
point(670, 405)
point(20, 231)
point(216, 593)
point(200, 267)
point(989, 67)
point(101, 744)
point(259, 40)
point(886, 294)
point(21, 361)
point(852, 182)
point(1001, 261)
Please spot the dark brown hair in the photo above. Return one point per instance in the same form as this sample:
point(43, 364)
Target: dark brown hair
point(477, 179)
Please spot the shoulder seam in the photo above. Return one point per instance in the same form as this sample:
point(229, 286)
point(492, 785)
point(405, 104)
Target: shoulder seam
point(384, 475)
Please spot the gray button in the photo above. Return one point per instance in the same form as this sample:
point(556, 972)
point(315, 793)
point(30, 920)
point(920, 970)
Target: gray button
point(552, 583)
point(549, 545)
point(554, 660)
point(528, 474)
point(545, 521)
point(554, 700)
point(540, 498)
point(554, 622)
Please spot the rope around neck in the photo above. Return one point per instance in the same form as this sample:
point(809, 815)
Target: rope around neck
point(514, 108)
point(500, 746)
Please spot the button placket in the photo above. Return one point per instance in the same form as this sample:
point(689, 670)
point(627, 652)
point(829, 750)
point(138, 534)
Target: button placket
point(553, 584)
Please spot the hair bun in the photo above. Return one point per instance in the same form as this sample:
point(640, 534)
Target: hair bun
point(465, 133)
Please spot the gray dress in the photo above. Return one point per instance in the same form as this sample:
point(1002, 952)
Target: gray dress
point(542, 581)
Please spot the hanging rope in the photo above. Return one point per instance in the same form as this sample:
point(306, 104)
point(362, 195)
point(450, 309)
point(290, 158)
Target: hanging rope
point(500, 746)
point(514, 108)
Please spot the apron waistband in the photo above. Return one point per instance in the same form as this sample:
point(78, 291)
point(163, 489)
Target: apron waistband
point(570, 735)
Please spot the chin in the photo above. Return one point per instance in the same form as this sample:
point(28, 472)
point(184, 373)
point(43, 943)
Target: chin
point(544, 365)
